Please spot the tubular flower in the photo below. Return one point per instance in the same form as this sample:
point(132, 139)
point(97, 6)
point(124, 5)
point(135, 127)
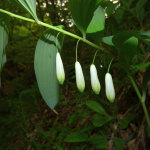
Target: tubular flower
point(94, 79)
point(60, 69)
point(110, 91)
point(79, 77)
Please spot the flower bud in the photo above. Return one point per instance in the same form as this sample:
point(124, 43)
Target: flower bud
point(94, 79)
point(60, 69)
point(110, 91)
point(79, 77)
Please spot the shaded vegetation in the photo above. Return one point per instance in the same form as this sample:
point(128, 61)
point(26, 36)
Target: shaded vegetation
point(27, 123)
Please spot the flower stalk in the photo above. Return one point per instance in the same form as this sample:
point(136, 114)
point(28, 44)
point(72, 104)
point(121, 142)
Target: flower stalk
point(79, 73)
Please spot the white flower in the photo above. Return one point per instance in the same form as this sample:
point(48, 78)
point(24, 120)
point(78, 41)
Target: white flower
point(79, 77)
point(94, 79)
point(110, 91)
point(60, 69)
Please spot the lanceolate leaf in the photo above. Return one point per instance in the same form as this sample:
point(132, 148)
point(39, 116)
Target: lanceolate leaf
point(138, 67)
point(145, 35)
point(76, 137)
point(82, 12)
point(45, 66)
point(119, 38)
point(28, 5)
point(96, 27)
point(4, 33)
point(99, 120)
point(129, 49)
point(139, 5)
point(96, 107)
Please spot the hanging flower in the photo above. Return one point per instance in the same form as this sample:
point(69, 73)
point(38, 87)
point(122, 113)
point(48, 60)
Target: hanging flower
point(60, 69)
point(110, 91)
point(79, 77)
point(94, 79)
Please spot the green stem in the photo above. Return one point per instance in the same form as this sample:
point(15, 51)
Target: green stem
point(52, 27)
point(146, 113)
point(109, 65)
point(56, 42)
point(140, 97)
point(94, 56)
point(76, 49)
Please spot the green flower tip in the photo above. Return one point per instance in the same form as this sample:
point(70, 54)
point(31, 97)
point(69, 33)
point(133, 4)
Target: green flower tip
point(110, 91)
point(60, 69)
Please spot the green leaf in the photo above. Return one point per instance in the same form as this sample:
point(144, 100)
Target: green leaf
point(119, 143)
point(4, 34)
point(82, 12)
point(126, 120)
point(28, 5)
point(127, 3)
point(129, 49)
point(96, 27)
point(76, 137)
point(119, 14)
point(139, 66)
point(108, 40)
point(110, 8)
point(119, 38)
point(99, 120)
point(145, 35)
point(139, 6)
point(145, 79)
point(45, 66)
point(99, 141)
point(95, 107)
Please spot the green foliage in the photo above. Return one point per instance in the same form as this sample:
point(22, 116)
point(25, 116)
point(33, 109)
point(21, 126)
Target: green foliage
point(96, 26)
point(139, 67)
point(119, 143)
point(45, 66)
point(119, 15)
point(86, 120)
point(4, 33)
point(129, 49)
point(127, 3)
point(108, 40)
point(99, 120)
point(110, 8)
point(82, 13)
point(125, 121)
point(28, 5)
point(95, 106)
point(76, 137)
point(99, 141)
point(139, 10)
